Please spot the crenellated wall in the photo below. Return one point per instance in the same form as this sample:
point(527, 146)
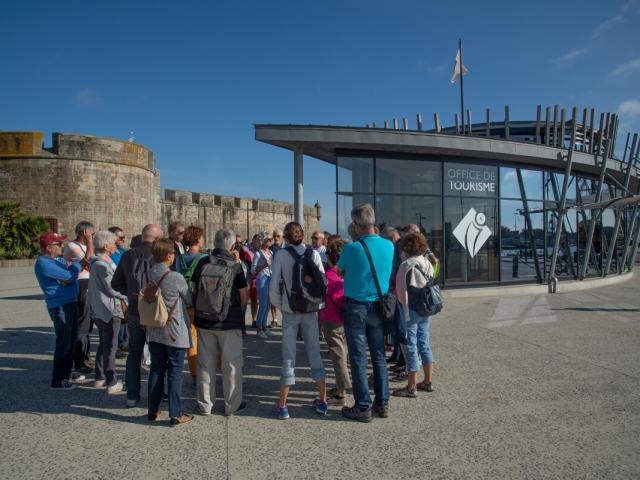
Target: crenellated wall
point(114, 182)
point(245, 216)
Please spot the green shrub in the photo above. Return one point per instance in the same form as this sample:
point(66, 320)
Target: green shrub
point(19, 232)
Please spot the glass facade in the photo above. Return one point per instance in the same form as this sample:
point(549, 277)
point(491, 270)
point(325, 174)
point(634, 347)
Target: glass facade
point(486, 221)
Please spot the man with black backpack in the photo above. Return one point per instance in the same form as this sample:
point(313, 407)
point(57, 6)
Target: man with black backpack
point(298, 288)
point(131, 276)
point(220, 294)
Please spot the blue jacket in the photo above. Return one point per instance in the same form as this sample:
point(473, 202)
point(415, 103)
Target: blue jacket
point(58, 282)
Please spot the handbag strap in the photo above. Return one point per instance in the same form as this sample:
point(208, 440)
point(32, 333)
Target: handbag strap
point(373, 269)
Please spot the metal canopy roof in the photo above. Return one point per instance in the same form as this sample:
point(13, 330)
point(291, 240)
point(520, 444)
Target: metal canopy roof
point(326, 142)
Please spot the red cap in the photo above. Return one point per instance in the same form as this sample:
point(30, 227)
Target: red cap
point(48, 238)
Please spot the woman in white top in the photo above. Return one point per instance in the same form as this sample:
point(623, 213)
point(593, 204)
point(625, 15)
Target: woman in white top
point(261, 268)
point(415, 271)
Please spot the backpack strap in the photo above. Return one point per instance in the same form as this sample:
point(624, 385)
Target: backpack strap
point(292, 252)
point(373, 269)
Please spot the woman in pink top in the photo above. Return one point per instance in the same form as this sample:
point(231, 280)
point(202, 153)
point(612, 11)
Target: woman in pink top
point(332, 323)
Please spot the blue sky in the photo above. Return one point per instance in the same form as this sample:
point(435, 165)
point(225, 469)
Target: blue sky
point(191, 78)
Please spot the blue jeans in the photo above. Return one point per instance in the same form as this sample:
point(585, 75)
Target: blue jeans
point(308, 323)
point(166, 361)
point(418, 342)
point(137, 339)
point(65, 324)
point(362, 325)
point(264, 304)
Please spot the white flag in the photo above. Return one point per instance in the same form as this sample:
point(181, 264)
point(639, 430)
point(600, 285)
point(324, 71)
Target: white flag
point(456, 69)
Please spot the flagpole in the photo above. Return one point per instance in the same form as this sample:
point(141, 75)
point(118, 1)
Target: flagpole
point(461, 85)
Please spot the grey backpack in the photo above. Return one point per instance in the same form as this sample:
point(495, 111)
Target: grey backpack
point(214, 289)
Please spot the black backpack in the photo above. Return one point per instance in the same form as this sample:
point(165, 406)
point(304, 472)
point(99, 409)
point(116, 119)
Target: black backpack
point(138, 276)
point(214, 289)
point(308, 283)
point(425, 301)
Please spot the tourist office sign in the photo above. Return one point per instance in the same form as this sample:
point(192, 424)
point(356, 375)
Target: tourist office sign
point(470, 180)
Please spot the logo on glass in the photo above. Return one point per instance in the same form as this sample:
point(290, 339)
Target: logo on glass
point(472, 232)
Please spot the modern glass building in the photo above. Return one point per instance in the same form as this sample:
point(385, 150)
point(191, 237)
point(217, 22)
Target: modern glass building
point(488, 200)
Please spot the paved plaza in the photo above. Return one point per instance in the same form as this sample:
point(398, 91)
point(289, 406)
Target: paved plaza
point(539, 386)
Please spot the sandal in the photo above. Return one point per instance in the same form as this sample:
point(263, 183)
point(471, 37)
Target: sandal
point(425, 387)
point(333, 393)
point(405, 392)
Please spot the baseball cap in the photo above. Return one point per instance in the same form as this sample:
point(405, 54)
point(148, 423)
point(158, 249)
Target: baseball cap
point(48, 238)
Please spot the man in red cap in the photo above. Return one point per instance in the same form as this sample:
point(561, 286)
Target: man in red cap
point(58, 279)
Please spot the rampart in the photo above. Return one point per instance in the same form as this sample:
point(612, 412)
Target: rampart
point(113, 182)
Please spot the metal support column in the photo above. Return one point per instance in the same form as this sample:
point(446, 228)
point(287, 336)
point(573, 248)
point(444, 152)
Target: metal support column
point(553, 281)
point(298, 197)
point(594, 213)
point(634, 245)
point(616, 228)
point(527, 217)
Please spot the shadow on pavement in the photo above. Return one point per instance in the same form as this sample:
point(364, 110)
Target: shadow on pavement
point(25, 374)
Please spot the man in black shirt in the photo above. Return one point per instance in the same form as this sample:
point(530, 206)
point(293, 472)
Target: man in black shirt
point(216, 334)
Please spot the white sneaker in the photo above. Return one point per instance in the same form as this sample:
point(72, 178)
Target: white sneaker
point(262, 334)
point(269, 333)
point(115, 388)
point(99, 383)
point(77, 377)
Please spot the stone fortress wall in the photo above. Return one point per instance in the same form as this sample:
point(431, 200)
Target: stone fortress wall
point(113, 182)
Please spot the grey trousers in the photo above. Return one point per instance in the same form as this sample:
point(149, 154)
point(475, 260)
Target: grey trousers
point(106, 354)
point(337, 343)
point(229, 344)
point(308, 323)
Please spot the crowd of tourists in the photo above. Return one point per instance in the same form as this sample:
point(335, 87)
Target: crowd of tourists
point(166, 298)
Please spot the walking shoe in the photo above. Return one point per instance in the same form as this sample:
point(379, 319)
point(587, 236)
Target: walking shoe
point(355, 413)
point(381, 411)
point(405, 392)
point(242, 406)
point(121, 354)
point(132, 402)
point(152, 417)
point(115, 388)
point(320, 406)
point(99, 383)
point(425, 387)
point(203, 412)
point(63, 385)
point(269, 333)
point(77, 377)
point(283, 412)
point(182, 419)
point(274, 324)
point(164, 398)
point(254, 324)
point(262, 335)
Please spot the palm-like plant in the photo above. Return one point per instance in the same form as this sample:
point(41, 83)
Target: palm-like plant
point(19, 231)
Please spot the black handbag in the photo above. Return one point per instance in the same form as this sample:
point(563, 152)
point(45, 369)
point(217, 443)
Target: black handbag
point(388, 301)
point(427, 300)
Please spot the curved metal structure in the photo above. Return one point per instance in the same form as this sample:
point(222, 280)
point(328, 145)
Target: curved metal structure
point(553, 199)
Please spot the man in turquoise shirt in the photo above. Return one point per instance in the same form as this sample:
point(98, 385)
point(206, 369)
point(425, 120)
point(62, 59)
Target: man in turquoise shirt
point(362, 322)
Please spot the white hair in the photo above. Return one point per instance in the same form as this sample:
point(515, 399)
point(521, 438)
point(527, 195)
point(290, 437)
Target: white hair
point(224, 239)
point(363, 215)
point(103, 239)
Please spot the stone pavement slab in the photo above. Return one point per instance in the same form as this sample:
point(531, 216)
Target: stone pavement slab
point(533, 386)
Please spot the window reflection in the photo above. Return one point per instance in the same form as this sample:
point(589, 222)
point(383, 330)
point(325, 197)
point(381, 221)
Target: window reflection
point(345, 205)
point(408, 176)
point(355, 174)
point(426, 212)
point(510, 187)
point(522, 244)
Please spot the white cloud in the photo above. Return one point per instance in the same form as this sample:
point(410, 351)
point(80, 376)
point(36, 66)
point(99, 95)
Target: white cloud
point(629, 108)
point(626, 68)
point(86, 97)
point(618, 19)
point(570, 57)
